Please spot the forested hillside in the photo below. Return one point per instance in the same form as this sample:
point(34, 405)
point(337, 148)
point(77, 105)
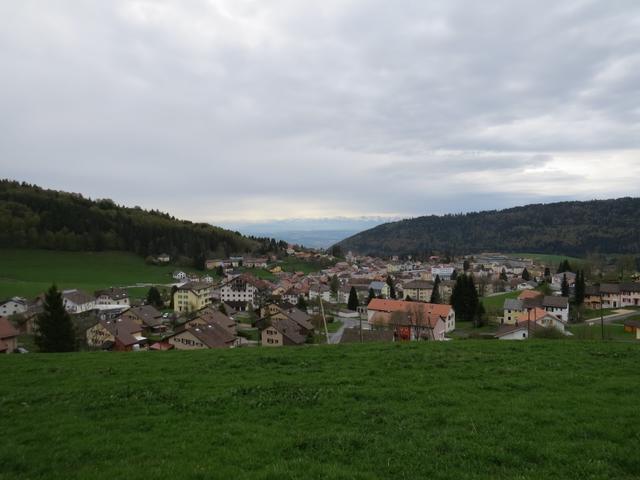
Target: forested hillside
point(570, 228)
point(32, 217)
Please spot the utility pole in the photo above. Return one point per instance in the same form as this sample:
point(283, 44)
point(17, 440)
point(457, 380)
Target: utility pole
point(324, 320)
point(360, 317)
point(601, 318)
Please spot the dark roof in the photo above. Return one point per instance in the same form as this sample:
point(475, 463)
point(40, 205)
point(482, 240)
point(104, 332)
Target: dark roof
point(78, 297)
point(632, 323)
point(212, 335)
point(610, 288)
point(352, 335)
point(419, 284)
point(555, 302)
point(506, 329)
point(149, 315)
point(630, 287)
point(122, 329)
point(289, 329)
point(513, 304)
point(194, 286)
point(114, 293)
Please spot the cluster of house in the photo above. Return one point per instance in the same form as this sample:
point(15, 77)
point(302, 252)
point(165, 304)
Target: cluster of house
point(530, 312)
point(612, 295)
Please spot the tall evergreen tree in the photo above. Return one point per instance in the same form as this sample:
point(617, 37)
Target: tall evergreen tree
point(302, 303)
point(372, 295)
point(580, 289)
point(464, 299)
point(435, 294)
point(466, 265)
point(565, 286)
point(564, 266)
point(353, 299)
point(503, 275)
point(392, 288)
point(526, 276)
point(54, 326)
point(547, 274)
point(454, 275)
point(154, 298)
point(334, 285)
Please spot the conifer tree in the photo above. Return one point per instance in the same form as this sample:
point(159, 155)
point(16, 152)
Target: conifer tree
point(154, 298)
point(435, 294)
point(372, 295)
point(526, 276)
point(54, 326)
point(565, 286)
point(353, 299)
point(392, 288)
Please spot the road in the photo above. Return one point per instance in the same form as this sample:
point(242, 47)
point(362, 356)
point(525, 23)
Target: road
point(346, 323)
point(621, 314)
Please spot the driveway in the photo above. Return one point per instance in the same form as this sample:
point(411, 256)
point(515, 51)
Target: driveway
point(619, 315)
point(346, 323)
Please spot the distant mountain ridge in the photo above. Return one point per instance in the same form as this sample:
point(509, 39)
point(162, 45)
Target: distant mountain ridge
point(569, 228)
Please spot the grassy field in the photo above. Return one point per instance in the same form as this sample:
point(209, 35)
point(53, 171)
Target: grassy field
point(612, 331)
point(450, 410)
point(496, 302)
point(30, 272)
point(548, 259)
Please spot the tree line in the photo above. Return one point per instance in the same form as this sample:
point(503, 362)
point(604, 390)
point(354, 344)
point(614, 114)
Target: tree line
point(33, 217)
point(569, 228)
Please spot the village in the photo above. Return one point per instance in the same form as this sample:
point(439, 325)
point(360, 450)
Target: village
point(244, 301)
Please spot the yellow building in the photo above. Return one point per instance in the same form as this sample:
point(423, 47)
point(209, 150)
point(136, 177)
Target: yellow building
point(192, 296)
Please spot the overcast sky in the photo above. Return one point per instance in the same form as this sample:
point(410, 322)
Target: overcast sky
point(231, 111)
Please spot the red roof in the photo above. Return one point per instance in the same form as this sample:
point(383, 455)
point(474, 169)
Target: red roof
point(529, 294)
point(430, 311)
point(7, 330)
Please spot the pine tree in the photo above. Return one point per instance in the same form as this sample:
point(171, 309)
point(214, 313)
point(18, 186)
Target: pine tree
point(334, 285)
point(392, 288)
point(564, 266)
point(454, 275)
point(302, 303)
point(503, 275)
point(372, 295)
point(54, 326)
point(466, 265)
point(174, 289)
point(565, 286)
point(525, 275)
point(465, 301)
point(580, 288)
point(154, 298)
point(353, 300)
point(435, 294)
point(547, 274)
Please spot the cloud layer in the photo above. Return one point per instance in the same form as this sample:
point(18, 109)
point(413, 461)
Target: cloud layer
point(245, 110)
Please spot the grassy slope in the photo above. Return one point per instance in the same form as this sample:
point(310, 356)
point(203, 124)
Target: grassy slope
point(496, 302)
point(30, 272)
point(450, 410)
point(548, 259)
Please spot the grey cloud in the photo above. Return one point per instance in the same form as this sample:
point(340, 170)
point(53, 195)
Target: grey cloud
point(280, 108)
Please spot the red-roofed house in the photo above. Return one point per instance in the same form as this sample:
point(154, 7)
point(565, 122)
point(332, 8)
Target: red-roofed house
point(412, 320)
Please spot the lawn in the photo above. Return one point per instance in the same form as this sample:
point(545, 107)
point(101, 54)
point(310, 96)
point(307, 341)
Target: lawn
point(448, 410)
point(612, 331)
point(496, 302)
point(30, 272)
point(293, 264)
point(549, 260)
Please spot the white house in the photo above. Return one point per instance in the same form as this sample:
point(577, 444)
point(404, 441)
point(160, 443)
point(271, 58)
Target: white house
point(241, 290)
point(112, 296)
point(77, 301)
point(179, 275)
point(442, 271)
point(13, 306)
point(320, 290)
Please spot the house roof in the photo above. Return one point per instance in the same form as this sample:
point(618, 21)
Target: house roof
point(632, 323)
point(630, 287)
point(507, 329)
point(212, 315)
point(536, 314)
point(555, 302)
point(352, 335)
point(7, 330)
point(529, 294)
point(194, 286)
point(78, 297)
point(125, 330)
point(513, 304)
point(113, 293)
point(290, 329)
point(428, 313)
point(419, 284)
point(149, 315)
point(212, 335)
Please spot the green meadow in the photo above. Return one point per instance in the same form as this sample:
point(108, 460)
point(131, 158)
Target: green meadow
point(30, 272)
point(449, 410)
